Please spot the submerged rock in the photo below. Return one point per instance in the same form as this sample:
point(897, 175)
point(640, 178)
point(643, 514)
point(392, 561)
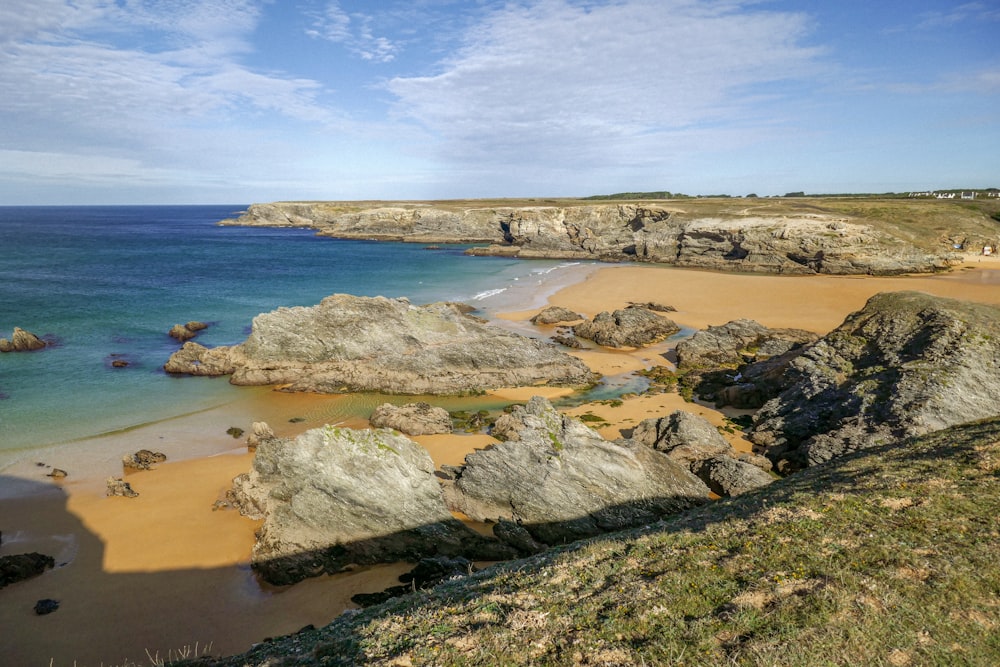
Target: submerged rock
point(562, 481)
point(336, 496)
point(349, 343)
point(906, 364)
point(18, 567)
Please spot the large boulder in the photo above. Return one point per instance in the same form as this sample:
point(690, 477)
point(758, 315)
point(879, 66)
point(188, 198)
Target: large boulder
point(349, 343)
point(21, 341)
point(629, 327)
point(555, 315)
point(727, 476)
point(562, 481)
point(335, 496)
point(906, 364)
point(412, 419)
point(683, 436)
point(740, 363)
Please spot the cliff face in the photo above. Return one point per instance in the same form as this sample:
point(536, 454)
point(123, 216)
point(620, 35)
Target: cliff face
point(798, 243)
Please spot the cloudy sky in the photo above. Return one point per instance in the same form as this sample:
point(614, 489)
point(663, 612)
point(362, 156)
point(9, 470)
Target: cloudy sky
point(235, 101)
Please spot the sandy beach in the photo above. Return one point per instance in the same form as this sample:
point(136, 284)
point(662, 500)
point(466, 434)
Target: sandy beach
point(163, 571)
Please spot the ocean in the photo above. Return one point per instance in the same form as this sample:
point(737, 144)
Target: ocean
point(101, 284)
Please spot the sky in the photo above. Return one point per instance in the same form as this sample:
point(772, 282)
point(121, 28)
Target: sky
point(239, 101)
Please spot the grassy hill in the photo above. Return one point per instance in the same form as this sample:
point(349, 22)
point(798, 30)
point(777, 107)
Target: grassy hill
point(886, 558)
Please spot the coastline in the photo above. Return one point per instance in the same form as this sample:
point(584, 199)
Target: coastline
point(164, 570)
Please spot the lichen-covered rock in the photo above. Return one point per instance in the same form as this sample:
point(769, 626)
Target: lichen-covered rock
point(412, 419)
point(21, 341)
point(337, 496)
point(628, 327)
point(349, 343)
point(906, 364)
point(562, 481)
point(555, 315)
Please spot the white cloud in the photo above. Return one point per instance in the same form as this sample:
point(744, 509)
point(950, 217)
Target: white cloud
point(354, 31)
point(567, 84)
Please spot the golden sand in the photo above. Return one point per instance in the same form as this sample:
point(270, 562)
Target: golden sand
point(164, 570)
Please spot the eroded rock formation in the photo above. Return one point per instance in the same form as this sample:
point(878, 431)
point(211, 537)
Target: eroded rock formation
point(412, 419)
point(349, 343)
point(21, 341)
point(561, 481)
point(629, 327)
point(336, 496)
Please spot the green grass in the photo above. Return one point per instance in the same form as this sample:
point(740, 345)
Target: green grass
point(883, 559)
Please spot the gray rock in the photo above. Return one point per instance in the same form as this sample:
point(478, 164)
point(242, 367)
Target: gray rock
point(349, 343)
point(727, 476)
point(906, 364)
point(336, 496)
point(683, 436)
point(561, 481)
point(628, 327)
point(741, 363)
point(259, 432)
point(555, 315)
point(21, 341)
point(412, 419)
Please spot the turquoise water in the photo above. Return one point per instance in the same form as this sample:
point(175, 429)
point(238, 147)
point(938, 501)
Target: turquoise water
point(106, 283)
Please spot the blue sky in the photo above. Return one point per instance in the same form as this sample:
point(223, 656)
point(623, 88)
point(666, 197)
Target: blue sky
point(234, 101)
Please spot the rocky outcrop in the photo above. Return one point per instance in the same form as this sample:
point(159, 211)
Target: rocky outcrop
point(906, 364)
point(143, 459)
point(561, 481)
point(412, 418)
point(737, 240)
point(185, 332)
point(259, 432)
point(18, 567)
point(740, 363)
point(555, 315)
point(119, 487)
point(21, 341)
point(628, 327)
point(696, 444)
point(349, 343)
point(336, 496)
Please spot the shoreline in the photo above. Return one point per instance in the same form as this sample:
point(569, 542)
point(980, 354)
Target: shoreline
point(168, 558)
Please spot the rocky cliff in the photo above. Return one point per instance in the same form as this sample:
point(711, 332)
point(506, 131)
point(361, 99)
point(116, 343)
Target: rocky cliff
point(349, 343)
point(907, 364)
point(797, 243)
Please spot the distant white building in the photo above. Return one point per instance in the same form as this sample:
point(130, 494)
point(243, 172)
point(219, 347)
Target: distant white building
point(968, 195)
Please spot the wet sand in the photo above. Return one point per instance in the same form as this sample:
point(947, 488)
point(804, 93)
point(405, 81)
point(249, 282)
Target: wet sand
point(163, 571)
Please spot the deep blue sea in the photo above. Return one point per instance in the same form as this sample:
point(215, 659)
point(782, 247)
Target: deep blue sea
point(107, 283)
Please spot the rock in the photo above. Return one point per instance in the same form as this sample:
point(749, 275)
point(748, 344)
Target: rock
point(555, 315)
point(57, 473)
point(561, 481)
point(517, 536)
point(349, 343)
point(727, 476)
point(906, 364)
point(119, 363)
point(119, 487)
point(235, 431)
point(653, 306)
point(740, 363)
point(337, 496)
point(412, 418)
point(567, 340)
point(21, 341)
point(757, 460)
point(143, 459)
point(185, 332)
point(629, 327)
point(428, 572)
point(683, 436)
point(46, 606)
point(259, 432)
point(18, 567)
